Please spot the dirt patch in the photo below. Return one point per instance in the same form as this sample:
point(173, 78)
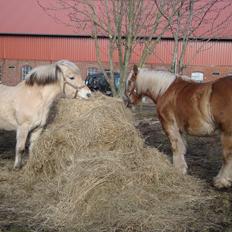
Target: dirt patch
point(203, 153)
point(204, 157)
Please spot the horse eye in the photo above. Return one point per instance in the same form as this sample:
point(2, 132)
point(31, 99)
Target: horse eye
point(71, 78)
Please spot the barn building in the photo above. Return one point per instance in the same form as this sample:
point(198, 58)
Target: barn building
point(29, 37)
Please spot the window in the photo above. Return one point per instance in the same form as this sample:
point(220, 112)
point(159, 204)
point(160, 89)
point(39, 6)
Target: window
point(0, 73)
point(11, 67)
point(25, 70)
point(197, 76)
point(92, 70)
point(216, 74)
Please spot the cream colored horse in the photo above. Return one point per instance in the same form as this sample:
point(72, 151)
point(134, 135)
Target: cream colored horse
point(25, 107)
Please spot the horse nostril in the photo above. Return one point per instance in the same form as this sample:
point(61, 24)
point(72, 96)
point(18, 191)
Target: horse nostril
point(88, 94)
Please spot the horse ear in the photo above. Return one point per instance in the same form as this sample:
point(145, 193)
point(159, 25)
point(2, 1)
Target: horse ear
point(135, 69)
point(58, 71)
point(58, 68)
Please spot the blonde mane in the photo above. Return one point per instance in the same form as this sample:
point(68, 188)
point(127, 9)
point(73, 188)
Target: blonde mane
point(155, 81)
point(69, 64)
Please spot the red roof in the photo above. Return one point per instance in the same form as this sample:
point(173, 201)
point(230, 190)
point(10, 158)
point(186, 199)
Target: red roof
point(27, 17)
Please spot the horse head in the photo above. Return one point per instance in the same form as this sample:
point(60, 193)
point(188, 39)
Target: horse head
point(64, 73)
point(72, 82)
point(131, 95)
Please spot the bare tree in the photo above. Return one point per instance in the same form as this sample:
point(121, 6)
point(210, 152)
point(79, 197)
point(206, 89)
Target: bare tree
point(195, 20)
point(125, 23)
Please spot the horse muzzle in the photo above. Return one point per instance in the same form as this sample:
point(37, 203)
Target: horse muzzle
point(84, 93)
point(127, 101)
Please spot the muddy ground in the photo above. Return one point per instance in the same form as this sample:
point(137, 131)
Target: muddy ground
point(203, 158)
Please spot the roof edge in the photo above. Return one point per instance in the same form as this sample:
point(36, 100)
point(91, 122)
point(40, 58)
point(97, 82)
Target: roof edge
point(200, 39)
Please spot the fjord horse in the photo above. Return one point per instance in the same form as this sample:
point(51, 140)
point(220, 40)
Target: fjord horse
point(187, 107)
point(25, 107)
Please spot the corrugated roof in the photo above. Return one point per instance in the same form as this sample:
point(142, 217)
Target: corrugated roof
point(27, 17)
point(83, 50)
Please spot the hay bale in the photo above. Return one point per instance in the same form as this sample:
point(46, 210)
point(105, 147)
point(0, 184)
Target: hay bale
point(97, 174)
point(102, 124)
point(129, 192)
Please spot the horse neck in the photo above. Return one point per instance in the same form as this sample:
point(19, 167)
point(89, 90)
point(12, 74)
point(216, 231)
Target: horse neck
point(51, 91)
point(48, 92)
point(153, 84)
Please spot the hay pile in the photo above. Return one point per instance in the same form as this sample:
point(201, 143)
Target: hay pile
point(91, 172)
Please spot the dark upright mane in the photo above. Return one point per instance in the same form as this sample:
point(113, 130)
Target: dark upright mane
point(42, 75)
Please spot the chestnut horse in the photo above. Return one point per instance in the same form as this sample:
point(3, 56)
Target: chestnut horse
point(25, 107)
point(185, 106)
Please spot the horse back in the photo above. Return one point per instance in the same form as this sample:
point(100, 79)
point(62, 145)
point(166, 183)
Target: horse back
point(221, 103)
point(187, 105)
point(18, 105)
point(7, 109)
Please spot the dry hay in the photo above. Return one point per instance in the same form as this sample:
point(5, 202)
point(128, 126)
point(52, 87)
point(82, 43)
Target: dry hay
point(90, 171)
point(100, 125)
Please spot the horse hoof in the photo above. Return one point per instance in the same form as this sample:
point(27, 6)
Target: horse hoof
point(182, 168)
point(180, 164)
point(221, 182)
point(17, 167)
point(184, 171)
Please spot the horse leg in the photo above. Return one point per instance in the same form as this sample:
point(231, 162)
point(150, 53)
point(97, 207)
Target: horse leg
point(34, 136)
point(224, 177)
point(22, 133)
point(177, 143)
point(178, 150)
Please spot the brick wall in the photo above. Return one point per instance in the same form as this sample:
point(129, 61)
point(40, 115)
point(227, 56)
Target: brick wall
point(11, 70)
point(210, 72)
